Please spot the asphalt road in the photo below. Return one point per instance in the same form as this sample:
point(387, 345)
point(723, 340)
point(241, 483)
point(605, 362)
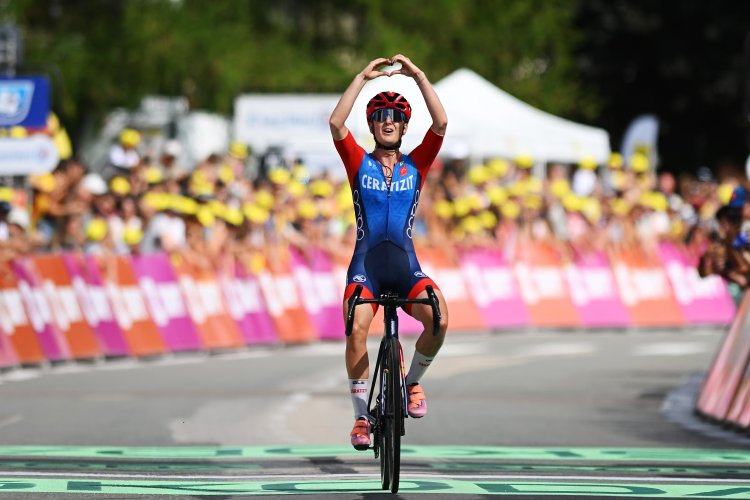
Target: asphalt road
point(525, 415)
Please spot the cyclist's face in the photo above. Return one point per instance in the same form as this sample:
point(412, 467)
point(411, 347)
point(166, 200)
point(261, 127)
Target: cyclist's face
point(388, 132)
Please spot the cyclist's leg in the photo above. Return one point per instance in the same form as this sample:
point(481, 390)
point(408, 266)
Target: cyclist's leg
point(427, 346)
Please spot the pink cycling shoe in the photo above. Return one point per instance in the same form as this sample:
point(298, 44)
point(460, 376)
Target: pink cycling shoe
point(417, 402)
point(361, 434)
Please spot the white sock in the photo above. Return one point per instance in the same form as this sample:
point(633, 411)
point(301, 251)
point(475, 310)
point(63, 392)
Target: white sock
point(358, 388)
point(419, 365)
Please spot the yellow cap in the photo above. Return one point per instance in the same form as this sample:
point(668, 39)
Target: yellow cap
point(321, 188)
point(153, 175)
point(615, 161)
point(724, 191)
point(487, 219)
point(226, 174)
point(639, 163)
point(130, 137)
point(132, 235)
point(620, 206)
point(498, 167)
point(533, 201)
point(280, 176)
point(296, 189)
point(497, 195)
point(591, 209)
point(478, 174)
point(471, 224)
point(572, 202)
point(588, 163)
point(119, 185)
point(510, 209)
point(461, 206)
point(205, 216)
point(238, 150)
point(6, 193)
point(255, 213)
point(157, 201)
point(559, 188)
point(444, 209)
point(233, 216)
point(344, 199)
point(307, 209)
point(525, 161)
point(264, 199)
point(96, 229)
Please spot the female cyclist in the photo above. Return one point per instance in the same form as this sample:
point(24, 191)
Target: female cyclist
point(386, 186)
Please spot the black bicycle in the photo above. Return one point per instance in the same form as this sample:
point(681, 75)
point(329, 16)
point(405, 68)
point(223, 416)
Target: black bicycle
point(390, 410)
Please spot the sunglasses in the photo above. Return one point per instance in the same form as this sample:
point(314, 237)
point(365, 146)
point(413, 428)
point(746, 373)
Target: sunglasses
point(381, 115)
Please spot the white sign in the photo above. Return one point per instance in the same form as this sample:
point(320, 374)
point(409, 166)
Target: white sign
point(30, 155)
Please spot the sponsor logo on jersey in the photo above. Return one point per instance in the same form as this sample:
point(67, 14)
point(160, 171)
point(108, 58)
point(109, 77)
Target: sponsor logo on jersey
point(403, 170)
point(420, 274)
point(359, 278)
point(405, 184)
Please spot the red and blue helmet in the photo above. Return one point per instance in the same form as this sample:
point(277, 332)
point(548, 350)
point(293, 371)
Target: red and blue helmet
point(392, 100)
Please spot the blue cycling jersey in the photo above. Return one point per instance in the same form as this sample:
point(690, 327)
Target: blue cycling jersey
point(384, 256)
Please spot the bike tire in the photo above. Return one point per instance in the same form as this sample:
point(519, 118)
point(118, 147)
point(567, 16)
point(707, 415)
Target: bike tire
point(395, 413)
point(383, 441)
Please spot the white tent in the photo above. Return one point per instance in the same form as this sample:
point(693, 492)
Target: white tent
point(483, 121)
point(486, 121)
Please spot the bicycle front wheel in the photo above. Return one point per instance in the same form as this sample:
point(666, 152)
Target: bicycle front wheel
point(394, 413)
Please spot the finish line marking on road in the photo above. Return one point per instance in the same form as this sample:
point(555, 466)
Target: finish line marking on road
point(195, 488)
point(641, 455)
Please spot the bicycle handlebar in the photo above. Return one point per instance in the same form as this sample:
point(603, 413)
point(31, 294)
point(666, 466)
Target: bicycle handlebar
point(431, 301)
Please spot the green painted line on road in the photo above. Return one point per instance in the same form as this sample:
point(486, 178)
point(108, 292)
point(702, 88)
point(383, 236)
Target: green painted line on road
point(127, 465)
point(448, 487)
point(641, 455)
point(649, 469)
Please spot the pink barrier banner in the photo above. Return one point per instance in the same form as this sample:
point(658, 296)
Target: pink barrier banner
point(52, 340)
point(158, 283)
point(493, 287)
point(95, 305)
point(314, 273)
point(703, 300)
point(247, 308)
point(594, 292)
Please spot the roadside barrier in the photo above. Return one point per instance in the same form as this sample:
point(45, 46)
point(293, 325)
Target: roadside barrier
point(71, 306)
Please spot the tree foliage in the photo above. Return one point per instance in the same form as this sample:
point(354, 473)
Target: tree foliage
point(588, 60)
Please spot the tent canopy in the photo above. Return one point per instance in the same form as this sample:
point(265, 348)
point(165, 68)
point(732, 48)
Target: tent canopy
point(483, 121)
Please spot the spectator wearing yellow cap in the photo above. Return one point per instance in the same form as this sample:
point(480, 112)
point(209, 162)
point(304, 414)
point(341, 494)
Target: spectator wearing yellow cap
point(124, 155)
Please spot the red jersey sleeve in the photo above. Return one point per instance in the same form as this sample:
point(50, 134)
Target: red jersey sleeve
point(424, 154)
point(351, 154)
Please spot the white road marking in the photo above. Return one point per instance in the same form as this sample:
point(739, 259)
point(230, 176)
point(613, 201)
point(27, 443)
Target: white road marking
point(670, 349)
point(10, 420)
point(404, 477)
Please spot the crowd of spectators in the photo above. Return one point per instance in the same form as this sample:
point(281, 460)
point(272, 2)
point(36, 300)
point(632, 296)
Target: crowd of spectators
point(147, 202)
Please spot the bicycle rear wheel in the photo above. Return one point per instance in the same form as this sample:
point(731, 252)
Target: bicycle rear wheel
point(394, 413)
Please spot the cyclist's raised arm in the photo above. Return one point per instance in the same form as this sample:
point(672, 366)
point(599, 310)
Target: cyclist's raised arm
point(337, 122)
point(434, 106)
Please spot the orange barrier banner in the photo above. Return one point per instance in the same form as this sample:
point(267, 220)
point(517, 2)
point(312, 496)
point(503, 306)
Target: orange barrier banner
point(645, 288)
point(463, 313)
point(282, 298)
point(58, 288)
point(53, 342)
point(15, 325)
point(725, 377)
point(539, 272)
point(128, 304)
point(206, 305)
